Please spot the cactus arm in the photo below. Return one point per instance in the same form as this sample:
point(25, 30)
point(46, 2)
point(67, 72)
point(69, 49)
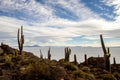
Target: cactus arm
point(106, 55)
point(103, 45)
point(18, 38)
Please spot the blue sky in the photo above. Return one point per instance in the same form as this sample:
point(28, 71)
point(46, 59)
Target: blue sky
point(61, 22)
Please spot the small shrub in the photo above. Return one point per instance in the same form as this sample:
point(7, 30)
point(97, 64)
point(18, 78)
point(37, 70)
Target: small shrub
point(2, 59)
point(117, 75)
point(62, 60)
point(53, 62)
point(27, 61)
point(86, 69)
point(109, 77)
point(69, 66)
point(82, 74)
point(58, 72)
point(8, 61)
point(37, 71)
point(96, 71)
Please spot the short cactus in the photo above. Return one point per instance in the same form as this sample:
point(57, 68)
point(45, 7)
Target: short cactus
point(86, 61)
point(41, 55)
point(75, 59)
point(114, 61)
point(67, 53)
point(49, 55)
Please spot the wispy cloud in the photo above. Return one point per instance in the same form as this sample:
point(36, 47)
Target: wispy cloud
point(116, 5)
point(44, 27)
point(25, 9)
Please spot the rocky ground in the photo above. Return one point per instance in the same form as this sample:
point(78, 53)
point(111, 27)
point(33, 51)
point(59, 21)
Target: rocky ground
point(29, 67)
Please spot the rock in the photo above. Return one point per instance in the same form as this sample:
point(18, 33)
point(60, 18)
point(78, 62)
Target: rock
point(7, 49)
point(97, 62)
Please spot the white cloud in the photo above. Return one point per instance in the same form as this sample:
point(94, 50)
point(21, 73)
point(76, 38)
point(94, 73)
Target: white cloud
point(52, 30)
point(57, 36)
point(76, 7)
point(30, 8)
point(116, 4)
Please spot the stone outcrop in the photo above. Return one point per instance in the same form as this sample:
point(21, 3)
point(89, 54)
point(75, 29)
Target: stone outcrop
point(6, 49)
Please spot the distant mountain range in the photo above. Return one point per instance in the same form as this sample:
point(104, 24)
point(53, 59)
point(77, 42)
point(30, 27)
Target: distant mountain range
point(66, 46)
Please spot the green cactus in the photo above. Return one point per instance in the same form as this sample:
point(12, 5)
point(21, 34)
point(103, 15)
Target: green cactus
point(75, 59)
point(86, 61)
point(67, 54)
point(20, 38)
point(41, 55)
point(49, 55)
point(106, 55)
point(108, 66)
point(114, 61)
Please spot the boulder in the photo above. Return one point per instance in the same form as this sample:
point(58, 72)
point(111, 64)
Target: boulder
point(6, 49)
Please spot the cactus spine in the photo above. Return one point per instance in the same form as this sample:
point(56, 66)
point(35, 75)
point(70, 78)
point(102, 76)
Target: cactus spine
point(20, 38)
point(86, 62)
point(106, 55)
point(75, 59)
point(49, 55)
point(67, 53)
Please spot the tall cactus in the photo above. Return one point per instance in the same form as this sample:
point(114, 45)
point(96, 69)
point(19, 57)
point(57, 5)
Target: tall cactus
point(20, 38)
point(49, 55)
point(86, 61)
point(67, 53)
point(75, 59)
point(106, 55)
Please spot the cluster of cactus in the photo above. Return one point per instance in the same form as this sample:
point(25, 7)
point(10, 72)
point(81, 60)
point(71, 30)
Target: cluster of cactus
point(106, 55)
point(20, 38)
point(75, 59)
point(49, 55)
point(67, 53)
point(86, 61)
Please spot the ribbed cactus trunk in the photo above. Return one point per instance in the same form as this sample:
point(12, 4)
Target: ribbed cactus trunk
point(75, 59)
point(67, 54)
point(20, 38)
point(108, 66)
point(86, 61)
point(49, 55)
point(106, 55)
